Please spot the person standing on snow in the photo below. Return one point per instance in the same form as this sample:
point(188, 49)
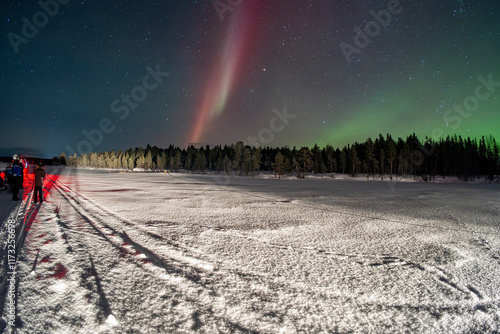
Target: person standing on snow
point(39, 177)
point(2, 180)
point(17, 177)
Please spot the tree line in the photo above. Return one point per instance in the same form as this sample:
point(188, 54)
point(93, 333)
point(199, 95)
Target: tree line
point(382, 157)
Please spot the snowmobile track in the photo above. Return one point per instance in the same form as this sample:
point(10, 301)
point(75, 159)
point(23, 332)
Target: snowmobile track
point(104, 230)
point(94, 215)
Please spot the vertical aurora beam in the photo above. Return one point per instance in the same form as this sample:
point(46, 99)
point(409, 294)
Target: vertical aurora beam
point(228, 70)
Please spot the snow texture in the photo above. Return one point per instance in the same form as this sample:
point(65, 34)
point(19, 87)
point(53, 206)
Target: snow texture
point(178, 253)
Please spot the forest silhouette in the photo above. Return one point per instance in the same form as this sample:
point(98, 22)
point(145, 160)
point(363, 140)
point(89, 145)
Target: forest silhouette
point(381, 157)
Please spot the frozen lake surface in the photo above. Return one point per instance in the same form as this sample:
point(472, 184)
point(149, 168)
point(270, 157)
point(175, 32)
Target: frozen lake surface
point(179, 253)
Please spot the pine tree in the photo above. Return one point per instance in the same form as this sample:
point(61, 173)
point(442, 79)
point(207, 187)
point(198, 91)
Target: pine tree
point(391, 154)
point(131, 162)
point(160, 161)
point(382, 163)
point(343, 159)
point(239, 150)
point(354, 160)
point(316, 158)
point(246, 163)
point(369, 155)
point(279, 161)
point(226, 164)
point(148, 160)
point(200, 162)
point(177, 161)
point(256, 156)
point(332, 163)
point(305, 160)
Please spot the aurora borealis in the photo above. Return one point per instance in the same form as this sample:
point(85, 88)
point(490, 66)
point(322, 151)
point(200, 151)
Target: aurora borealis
point(431, 68)
point(239, 43)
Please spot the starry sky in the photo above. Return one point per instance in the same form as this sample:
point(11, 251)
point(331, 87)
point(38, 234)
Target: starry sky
point(81, 76)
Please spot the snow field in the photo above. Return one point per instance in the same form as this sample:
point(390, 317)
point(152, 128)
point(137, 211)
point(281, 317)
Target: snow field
point(156, 253)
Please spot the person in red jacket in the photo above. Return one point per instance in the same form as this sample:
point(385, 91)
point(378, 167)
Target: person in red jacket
point(40, 175)
point(2, 180)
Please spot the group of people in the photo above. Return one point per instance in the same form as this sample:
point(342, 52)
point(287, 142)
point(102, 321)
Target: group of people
point(17, 179)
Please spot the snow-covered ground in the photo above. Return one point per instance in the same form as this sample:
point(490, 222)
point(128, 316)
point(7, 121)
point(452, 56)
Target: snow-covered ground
point(178, 253)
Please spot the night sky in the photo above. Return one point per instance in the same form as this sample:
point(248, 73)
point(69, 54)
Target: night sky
point(102, 75)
